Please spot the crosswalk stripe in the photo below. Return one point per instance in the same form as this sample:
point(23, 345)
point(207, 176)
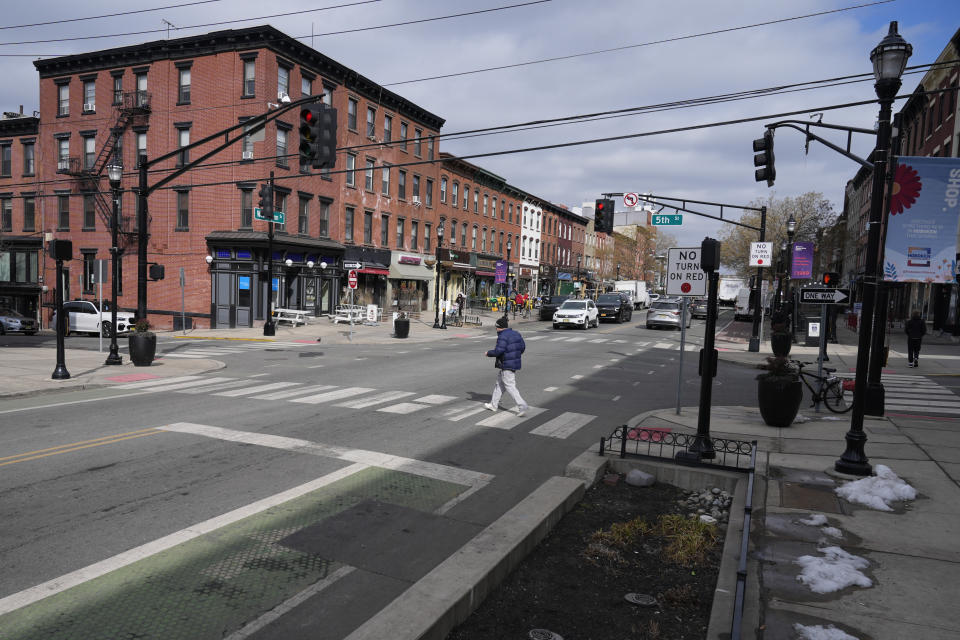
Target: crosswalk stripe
point(436, 399)
point(563, 425)
point(329, 396)
point(369, 401)
point(930, 403)
point(558, 338)
point(465, 410)
point(620, 341)
point(216, 387)
point(403, 407)
point(642, 344)
point(600, 340)
point(576, 339)
point(179, 355)
point(190, 384)
point(508, 419)
point(535, 338)
point(922, 409)
point(289, 393)
point(150, 383)
point(888, 391)
point(257, 388)
point(663, 345)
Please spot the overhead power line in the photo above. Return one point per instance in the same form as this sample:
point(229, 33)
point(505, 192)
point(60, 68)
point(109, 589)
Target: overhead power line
point(108, 15)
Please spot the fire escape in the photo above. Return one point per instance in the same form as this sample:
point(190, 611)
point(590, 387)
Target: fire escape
point(131, 109)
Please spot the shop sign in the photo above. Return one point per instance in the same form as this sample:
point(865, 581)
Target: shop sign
point(409, 260)
point(487, 264)
point(525, 272)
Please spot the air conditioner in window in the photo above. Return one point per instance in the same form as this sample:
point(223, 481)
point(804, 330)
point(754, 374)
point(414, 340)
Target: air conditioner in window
point(373, 139)
point(416, 201)
point(282, 96)
point(247, 155)
point(89, 106)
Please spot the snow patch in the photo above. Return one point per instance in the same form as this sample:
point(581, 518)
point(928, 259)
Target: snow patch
point(820, 632)
point(877, 491)
point(835, 571)
point(815, 520)
point(832, 532)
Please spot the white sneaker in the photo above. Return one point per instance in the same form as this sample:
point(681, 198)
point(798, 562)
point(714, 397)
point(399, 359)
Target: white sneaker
point(489, 407)
point(522, 411)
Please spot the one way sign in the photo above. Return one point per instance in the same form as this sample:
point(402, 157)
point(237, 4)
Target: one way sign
point(824, 296)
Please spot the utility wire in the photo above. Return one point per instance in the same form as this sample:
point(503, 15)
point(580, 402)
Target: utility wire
point(108, 15)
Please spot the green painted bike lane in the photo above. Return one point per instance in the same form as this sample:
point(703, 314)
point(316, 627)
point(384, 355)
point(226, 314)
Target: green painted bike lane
point(220, 581)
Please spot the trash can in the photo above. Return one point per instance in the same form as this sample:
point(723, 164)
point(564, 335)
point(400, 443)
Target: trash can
point(401, 327)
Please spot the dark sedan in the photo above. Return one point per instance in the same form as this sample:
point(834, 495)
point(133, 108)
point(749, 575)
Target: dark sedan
point(614, 306)
point(549, 306)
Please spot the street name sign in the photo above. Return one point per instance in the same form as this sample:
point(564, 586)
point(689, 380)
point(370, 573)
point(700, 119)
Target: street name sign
point(278, 216)
point(824, 296)
point(684, 275)
point(673, 218)
point(761, 254)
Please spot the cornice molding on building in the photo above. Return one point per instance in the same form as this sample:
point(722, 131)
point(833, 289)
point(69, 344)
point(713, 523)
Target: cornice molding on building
point(25, 126)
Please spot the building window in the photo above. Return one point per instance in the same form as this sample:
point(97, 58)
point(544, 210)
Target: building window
point(183, 97)
point(348, 224)
point(493, 208)
point(473, 239)
point(483, 240)
point(141, 146)
point(385, 180)
point(29, 159)
point(429, 193)
point(6, 214)
point(303, 222)
point(486, 204)
point(510, 217)
point(249, 78)
point(183, 140)
point(371, 122)
point(351, 167)
point(476, 201)
point(400, 222)
point(368, 174)
point(503, 208)
point(89, 213)
point(384, 230)
point(493, 239)
point(403, 135)
point(414, 232)
point(324, 219)
point(63, 213)
point(387, 128)
point(280, 204)
point(463, 235)
point(6, 160)
point(89, 96)
point(500, 244)
point(117, 153)
point(402, 184)
point(443, 189)
point(246, 145)
point(466, 197)
point(246, 208)
point(63, 100)
point(306, 86)
point(117, 89)
point(282, 148)
point(454, 194)
point(142, 99)
point(417, 142)
point(368, 227)
point(426, 236)
point(183, 211)
point(63, 154)
point(351, 114)
point(29, 213)
point(416, 188)
point(429, 148)
point(283, 82)
point(89, 152)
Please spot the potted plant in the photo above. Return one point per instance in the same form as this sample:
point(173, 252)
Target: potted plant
point(143, 344)
point(779, 392)
point(401, 325)
point(780, 340)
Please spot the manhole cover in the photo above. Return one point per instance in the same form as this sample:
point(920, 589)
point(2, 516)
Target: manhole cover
point(641, 599)
point(544, 634)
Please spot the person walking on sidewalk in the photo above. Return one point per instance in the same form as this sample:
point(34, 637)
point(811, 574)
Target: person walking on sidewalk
point(915, 329)
point(510, 347)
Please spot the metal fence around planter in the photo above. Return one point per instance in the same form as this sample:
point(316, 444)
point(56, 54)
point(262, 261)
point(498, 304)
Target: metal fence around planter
point(732, 455)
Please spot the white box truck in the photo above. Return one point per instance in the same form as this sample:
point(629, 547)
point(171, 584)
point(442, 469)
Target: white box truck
point(742, 309)
point(637, 290)
point(729, 289)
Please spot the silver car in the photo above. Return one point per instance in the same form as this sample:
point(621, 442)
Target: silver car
point(14, 321)
point(665, 314)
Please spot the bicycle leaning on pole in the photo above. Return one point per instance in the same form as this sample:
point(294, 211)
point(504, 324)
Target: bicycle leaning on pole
point(834, 392)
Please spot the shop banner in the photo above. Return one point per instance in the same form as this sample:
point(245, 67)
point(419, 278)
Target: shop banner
point(922, 226)
point(802, 264)
point(501, 273)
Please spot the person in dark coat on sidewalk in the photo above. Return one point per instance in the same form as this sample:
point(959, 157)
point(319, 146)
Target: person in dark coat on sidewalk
point(915, 329)
point(510, 347)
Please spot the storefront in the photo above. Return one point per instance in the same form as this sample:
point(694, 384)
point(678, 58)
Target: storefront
point(547, 280)
point(373, 268)
point(486, 274)
point(408, 283)
point(20, 277)
point(526, 282)
point(305, 276)
point(565, 284)
point(458, 273)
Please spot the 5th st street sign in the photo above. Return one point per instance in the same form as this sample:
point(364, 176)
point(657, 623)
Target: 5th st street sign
point(279, 217)
point(824, 296)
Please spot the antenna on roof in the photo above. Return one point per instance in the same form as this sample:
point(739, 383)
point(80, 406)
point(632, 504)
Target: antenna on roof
point(169, 26)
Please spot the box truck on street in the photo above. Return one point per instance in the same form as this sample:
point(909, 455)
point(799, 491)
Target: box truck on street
point(637, 290)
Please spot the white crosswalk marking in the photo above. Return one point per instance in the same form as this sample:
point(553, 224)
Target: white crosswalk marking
point(664, 345)
point(620, 341)
point(257, 388)
point(601, 340)
point(918, 395)
point(532, 338)
point(370, 401)
point(465, 410)
point(330, 396)
point(576, 339)
point(150, 383)
point(435, 399)
point(189, 384)
point(558, 338)
point(181, 355)
point(642, 344)
point(216, 387)
point(509, 419)
point(563, 425)
point(289, 393)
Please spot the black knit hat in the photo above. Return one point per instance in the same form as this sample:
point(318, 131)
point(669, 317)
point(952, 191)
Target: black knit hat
point(502, 323)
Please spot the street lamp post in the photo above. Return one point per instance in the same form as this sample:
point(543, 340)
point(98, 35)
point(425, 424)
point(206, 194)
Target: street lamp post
point(791, 228)
point(579, 258)
point(781, 271)
point(889, 59)
point(618, 271)
point(114, 173)
point(506, 304)
point(436, 293)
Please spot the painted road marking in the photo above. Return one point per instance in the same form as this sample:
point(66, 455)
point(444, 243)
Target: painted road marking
point(369, 401)
point(550, 388)
point(508, 419)
point(329, 396)
point(189, 384)
point(435, 399)
point(235, 393)
point(76, 446)
point(563, 425)
point(149, 383)
point(289, 393)
point(217, 387)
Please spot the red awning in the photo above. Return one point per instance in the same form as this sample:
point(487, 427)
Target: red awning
point(379, 272)
point(489, 274)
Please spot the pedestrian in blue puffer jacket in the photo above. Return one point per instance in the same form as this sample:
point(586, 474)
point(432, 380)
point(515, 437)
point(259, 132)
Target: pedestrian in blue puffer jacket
point(510, 347)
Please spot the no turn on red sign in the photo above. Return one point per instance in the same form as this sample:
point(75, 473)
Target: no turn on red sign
point(685, 277)
point(352, 279)
point(761, 254)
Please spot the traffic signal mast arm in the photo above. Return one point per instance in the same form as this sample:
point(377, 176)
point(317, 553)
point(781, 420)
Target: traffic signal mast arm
point(653, 199)
point(804, 128)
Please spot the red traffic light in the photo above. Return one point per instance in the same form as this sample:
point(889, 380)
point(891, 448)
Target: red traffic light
point(307, 115)
point(831, 279)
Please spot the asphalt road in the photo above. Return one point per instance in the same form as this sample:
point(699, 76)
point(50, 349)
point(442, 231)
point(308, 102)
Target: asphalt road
point(339, 473)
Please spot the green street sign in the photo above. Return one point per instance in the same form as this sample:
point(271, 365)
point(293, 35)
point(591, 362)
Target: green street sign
point(278, 216)
point(673, 218)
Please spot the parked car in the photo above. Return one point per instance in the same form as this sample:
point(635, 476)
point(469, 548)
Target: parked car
point(576, 313)
point(654, 297)
point(615, 306)
point(83, 316)
point(549, 306)
point(665, 314)
point(698, 308)
point(14, 321)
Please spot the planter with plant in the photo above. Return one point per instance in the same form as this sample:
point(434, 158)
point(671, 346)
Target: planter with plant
point(143, 344)
point(779, 392)
point(401, 326)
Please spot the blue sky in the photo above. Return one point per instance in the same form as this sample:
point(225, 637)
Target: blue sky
point(709, 164)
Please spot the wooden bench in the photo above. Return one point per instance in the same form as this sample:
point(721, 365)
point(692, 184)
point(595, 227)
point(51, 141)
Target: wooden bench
point(293, 316)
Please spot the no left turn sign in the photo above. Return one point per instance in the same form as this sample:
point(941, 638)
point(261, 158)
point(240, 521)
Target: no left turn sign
point(630, 199)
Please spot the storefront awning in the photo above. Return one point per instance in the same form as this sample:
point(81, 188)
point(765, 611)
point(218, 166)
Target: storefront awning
point(375, 271)
point(564, 276)
point(410, 272)
point(487, 274)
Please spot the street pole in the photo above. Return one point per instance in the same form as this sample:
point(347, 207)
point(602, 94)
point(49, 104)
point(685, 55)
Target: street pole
point(443, 318)
point(758, 289)
point(506, 304)
point(889, 61)
point(269, 328)
point(60, 372)
point(789, 292)
point(142, 238)
point(436, 290)
point(114, 173)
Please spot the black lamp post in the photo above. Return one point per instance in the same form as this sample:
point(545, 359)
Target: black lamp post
point(509, 290)
point(114, 173)
point(791, 228)
point(436, 293)
point(580, 291)
point(618, 271)
point(781, 269)
point(889, 60)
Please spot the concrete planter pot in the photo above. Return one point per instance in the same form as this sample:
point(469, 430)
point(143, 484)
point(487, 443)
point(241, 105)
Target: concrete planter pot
point(401, 327)
point(779, 399)
point(143, 347)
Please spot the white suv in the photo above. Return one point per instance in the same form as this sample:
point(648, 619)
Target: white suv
point(84, 317)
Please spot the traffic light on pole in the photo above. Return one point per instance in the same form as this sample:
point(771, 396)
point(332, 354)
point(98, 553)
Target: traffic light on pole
point(763, 148)
point(326, 155)
point(603, 215)
point(831, 279)
point(309, 135)
point(266, 201)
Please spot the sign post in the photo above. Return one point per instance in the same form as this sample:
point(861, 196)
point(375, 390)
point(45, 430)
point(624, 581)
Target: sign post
point(99, 275)
point(352, 283)
point(183, 307)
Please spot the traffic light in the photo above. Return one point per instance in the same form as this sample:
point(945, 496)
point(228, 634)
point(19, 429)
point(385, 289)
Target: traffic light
point(266, 201)
point(603, 215)
point(763, 148)
point(326, 155)
point(831, 279)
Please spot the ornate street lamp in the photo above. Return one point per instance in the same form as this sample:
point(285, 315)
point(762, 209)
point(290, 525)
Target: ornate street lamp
point(114, 174)
point(889, 60)
point(580, 291)
point(791, 228)
point(507, 302)
point(436, 294)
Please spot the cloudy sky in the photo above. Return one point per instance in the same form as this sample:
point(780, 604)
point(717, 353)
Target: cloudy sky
point(665, 53)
